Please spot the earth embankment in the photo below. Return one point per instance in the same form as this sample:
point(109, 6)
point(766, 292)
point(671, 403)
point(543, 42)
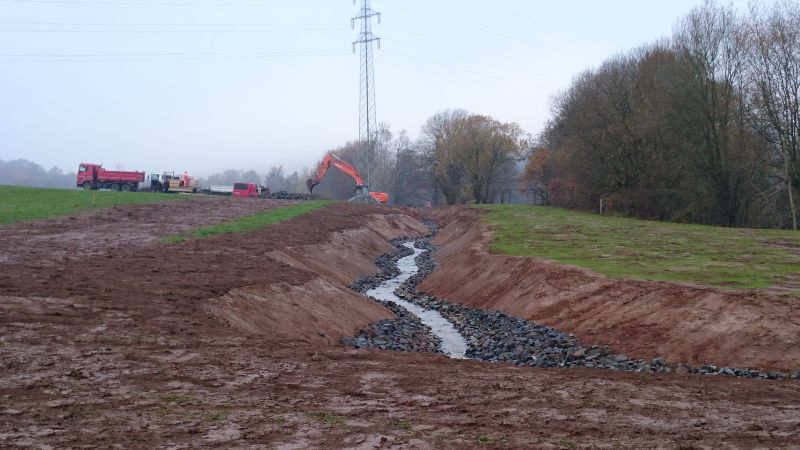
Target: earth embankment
point(646, 319)
point(321, 310)
point(87, 261)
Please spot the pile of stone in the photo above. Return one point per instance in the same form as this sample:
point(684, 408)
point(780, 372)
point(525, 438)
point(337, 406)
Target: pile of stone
point(405, 333)
point(284, 195)
point(388, 265)
point(365, 198)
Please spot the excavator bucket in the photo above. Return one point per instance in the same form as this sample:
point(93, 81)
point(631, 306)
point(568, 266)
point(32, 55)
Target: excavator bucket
point(310, 185)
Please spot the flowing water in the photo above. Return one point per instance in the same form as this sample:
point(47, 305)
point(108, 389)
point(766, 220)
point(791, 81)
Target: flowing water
point(453, 344)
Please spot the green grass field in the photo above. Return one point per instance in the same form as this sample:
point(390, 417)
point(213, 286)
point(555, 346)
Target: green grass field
point(252, 222)
point(620, 247)
point(24, 203)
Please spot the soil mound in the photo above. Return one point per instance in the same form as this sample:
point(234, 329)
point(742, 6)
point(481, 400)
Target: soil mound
point(644, 319)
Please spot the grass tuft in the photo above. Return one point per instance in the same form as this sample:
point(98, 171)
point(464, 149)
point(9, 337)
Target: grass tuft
point(179, 400)
point(328, 418)
point(399, 425)
point(567, 444)
point(251, 222)
point(732, 258)
point(26, 203)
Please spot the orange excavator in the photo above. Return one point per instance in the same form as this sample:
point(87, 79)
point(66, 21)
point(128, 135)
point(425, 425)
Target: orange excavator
point(360, 188)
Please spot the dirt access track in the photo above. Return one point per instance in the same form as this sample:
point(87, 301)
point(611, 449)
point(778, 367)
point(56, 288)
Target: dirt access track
point(110, 337)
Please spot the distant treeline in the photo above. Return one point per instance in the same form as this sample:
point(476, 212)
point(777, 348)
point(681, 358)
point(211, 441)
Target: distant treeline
point(275, 179)
point(703, 127)
point(21, 172)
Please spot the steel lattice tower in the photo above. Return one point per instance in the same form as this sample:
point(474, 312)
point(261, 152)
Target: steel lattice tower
point(367, 118)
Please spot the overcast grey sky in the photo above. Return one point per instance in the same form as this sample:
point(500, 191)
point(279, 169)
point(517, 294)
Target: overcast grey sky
point(205, 85)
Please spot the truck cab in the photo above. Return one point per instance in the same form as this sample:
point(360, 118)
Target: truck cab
point(86, 175)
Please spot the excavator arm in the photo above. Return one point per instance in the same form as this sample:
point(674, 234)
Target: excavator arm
point(333, 160)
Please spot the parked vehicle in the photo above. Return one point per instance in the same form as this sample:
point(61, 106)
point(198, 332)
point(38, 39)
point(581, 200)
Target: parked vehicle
point(94, 176)
point(168, 182)
point(249, 190)
point(215, 189)
point(360, 188)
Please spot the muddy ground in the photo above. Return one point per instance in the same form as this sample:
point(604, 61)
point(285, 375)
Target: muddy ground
point(231, 341)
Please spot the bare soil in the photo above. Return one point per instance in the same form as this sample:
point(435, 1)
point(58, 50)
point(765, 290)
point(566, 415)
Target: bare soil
point(643, 319)
point(97, 231)
point(231, 342)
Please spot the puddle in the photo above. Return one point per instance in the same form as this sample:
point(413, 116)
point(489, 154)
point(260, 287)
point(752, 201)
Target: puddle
point(453, 344)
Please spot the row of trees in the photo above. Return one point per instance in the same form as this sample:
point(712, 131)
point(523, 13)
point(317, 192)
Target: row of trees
point(275, 179)
point(21, 172)
point(459, 157)
point(703, 127)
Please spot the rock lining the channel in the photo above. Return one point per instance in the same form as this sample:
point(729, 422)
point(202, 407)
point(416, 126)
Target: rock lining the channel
point(495, 336)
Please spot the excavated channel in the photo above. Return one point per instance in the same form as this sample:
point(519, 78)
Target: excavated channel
point(425, 323)
point(452, 343)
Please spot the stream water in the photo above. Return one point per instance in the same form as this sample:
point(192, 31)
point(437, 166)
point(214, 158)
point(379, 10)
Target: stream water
point(453, 344)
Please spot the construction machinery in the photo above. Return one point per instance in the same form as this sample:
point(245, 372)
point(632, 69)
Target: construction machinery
point(250, 190)
point(331, 160)
point(94, 176)
point(169, 182)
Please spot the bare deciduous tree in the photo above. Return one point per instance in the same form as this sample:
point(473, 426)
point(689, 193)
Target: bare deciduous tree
point(775, 69)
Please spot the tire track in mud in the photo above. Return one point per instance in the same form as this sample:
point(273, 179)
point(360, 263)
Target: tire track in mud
point(494, 336)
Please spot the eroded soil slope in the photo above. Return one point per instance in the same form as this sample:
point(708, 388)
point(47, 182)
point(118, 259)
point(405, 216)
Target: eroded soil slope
point(644, 319)
point(230, 342)
point(169, 287)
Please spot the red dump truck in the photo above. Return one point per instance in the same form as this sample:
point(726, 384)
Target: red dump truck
point(93, 176)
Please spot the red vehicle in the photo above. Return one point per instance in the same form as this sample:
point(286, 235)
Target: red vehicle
point(360, 188)
point(93, 176)
point(245, 190)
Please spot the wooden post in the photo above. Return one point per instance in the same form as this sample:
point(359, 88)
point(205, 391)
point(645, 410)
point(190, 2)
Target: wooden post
point(601, 206)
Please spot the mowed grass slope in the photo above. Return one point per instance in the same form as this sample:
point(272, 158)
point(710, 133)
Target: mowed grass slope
point(253, 221)
point(620, 247)
point(25, 203)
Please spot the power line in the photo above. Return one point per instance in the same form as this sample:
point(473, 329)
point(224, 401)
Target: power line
point(450, 76)
point(175, 3)
point(110, 57)
point(367, 116)
point(458, 68)
point(471, 58)
point(525, 48)
point(428, 37)
point(155, 24)
point(471, 27)
point(208, 30)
